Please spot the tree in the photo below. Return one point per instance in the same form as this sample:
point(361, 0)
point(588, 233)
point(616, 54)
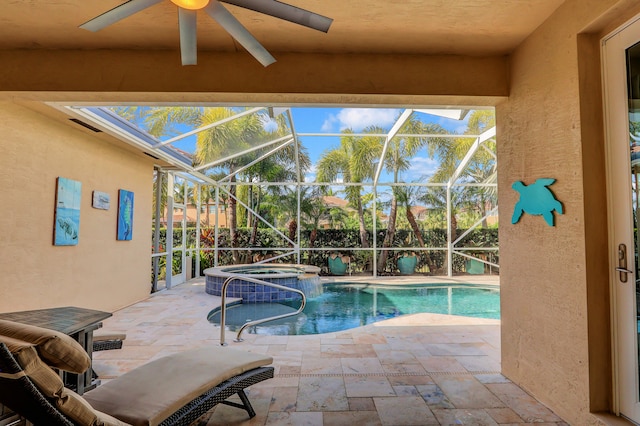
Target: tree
point(218, 143)
point(397, 160)
point(354, 162)
point(159, 179)
point(407, 197)
point(481, 169)
point(435, 199)
point(279, 167)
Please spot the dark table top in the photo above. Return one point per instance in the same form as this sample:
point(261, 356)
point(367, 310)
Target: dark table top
point(68, 320)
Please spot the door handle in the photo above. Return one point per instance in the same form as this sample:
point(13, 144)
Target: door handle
point(622, 263)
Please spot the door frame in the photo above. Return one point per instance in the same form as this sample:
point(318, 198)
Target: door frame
point(615, 106)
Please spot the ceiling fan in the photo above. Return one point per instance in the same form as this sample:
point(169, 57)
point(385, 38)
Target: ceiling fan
point(187, 10)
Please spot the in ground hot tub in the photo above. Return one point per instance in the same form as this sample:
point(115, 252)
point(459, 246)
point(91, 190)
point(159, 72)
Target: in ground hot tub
point(299, 277)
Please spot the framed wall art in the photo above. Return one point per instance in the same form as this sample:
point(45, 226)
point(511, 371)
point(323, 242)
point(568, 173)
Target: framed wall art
point(125, 215)
point(101, 200)
point(67, 212)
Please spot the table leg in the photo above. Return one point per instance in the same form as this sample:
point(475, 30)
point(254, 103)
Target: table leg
point(84, 382)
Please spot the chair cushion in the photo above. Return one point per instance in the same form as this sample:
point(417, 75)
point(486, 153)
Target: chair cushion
point(56, 349)
point(101, 335)
point(51, 386)
point(42, 376)
point(107, 420)
point(147, 395)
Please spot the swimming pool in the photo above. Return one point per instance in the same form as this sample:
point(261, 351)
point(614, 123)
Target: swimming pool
point(344, 306)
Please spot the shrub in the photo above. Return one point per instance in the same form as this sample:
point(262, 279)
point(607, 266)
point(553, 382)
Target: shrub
point(431, 261)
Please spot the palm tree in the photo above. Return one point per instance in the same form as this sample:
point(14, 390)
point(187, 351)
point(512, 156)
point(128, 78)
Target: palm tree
point(287, 206)
point(216, 143)
point(451, 152)
point(159, 179)
point(353, 161)
point(279, 167)
point(435, 199)
point(482, 167)
point(406, 197)
point(397, 160)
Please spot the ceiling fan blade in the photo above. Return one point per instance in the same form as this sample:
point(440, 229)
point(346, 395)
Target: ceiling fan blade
point(218, 12)
point(117, 13)
point(287, 12)
point(188, 36)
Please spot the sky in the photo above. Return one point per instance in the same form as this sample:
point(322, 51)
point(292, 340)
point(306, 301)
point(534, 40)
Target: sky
point(335, 120)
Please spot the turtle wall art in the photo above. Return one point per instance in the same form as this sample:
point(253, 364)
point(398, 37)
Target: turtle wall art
point(536, 199)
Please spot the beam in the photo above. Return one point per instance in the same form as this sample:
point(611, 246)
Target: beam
point(157, 76)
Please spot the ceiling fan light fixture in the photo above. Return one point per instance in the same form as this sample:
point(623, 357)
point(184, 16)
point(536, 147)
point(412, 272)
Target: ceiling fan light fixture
point(191, 4)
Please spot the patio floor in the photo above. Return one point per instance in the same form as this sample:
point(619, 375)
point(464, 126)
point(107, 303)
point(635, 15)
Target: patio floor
point(422, 369)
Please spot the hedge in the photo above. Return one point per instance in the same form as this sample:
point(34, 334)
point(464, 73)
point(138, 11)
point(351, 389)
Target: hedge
point(340, 241)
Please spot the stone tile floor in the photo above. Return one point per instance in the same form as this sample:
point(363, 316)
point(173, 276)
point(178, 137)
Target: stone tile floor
point(422, 369)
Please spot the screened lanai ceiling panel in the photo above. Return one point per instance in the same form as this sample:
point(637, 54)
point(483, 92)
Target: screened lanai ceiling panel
point(212, 136)
point(338, 146)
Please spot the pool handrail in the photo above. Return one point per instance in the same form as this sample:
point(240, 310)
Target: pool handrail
point(223, 307)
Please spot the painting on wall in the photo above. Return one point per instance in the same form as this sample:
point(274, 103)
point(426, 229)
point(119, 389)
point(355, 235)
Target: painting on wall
point(101, 200)
point(67, 212)
point(125, 215)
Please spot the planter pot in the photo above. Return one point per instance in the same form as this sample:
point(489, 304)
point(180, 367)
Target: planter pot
point(337, 266)
point(474, 267)
point(407, 264)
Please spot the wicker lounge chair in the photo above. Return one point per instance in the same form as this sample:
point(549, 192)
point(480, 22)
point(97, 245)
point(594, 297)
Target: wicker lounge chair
point(173, 390)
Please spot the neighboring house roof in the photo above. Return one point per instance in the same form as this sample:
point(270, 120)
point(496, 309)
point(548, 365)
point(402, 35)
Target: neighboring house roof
point(419, 211)
point(331, 201)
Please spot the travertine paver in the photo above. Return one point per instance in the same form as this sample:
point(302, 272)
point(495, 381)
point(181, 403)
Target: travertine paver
point(352, 418)
point(404, 411)
point(363, 386)
point(522, 403)
point(466, 392)
point(476, 417)
point(322, 394)
point(411, 370)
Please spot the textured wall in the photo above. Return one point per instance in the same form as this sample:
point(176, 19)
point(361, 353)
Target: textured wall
point(99, 272)
point(554, 284)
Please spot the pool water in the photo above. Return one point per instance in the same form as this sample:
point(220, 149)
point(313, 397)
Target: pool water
point(345, 306)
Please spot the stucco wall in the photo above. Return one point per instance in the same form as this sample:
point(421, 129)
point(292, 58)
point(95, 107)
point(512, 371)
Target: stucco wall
point(554, 287)
point(100, 272)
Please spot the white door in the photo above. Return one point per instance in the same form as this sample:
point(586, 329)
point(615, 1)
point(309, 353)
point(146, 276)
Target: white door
point(621, 70)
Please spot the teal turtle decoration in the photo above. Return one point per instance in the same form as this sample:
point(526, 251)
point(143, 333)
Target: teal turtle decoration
point(536, 199)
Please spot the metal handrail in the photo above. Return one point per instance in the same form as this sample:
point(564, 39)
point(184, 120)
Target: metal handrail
point(223, 308)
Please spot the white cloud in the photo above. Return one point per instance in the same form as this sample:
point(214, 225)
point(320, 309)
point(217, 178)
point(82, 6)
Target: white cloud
point(310, 176)
point(359, 118)
point(269, 124)
point(423, 166)
point(327, 126)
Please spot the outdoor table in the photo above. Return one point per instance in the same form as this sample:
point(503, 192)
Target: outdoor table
point(79, 323)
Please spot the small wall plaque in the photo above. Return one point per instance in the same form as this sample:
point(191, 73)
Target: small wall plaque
point(101, 200)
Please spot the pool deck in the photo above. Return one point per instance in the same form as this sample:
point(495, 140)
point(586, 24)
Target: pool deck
point(421, 369)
